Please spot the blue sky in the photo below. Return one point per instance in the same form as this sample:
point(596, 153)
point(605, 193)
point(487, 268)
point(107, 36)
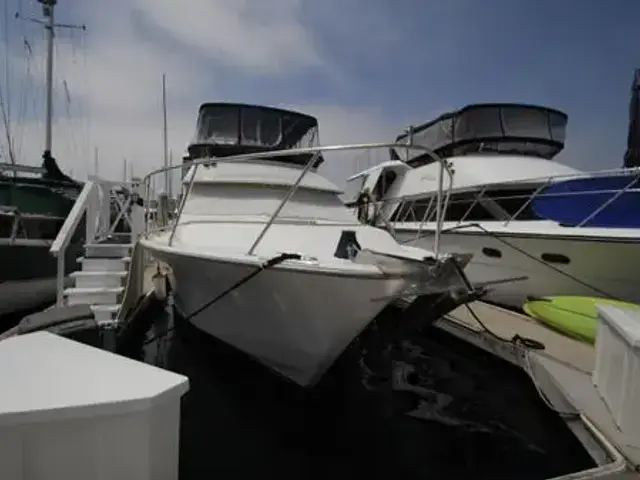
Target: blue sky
point(365, 68)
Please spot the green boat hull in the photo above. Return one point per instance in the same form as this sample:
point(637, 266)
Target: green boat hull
point(20, 263)
point(42, 205)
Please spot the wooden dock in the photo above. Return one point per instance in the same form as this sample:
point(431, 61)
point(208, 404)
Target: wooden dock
point(561, 373)
point(506, 324)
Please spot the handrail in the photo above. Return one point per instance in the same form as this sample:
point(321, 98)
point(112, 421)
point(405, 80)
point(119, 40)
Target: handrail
point(314, 152)
point(480, 195)
point(59, 246)
point(472, 188)
point(293, 152)
point(10, 167)
point(82, 204)
point(608, 202)
point(73, 219)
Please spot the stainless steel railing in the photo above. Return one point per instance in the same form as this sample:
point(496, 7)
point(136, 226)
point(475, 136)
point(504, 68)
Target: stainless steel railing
point(313, 152)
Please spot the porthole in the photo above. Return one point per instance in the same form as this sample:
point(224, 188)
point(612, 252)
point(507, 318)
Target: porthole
point(492, 252)
point(556, 258)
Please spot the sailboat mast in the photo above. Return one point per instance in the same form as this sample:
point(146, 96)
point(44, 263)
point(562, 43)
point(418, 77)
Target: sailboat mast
point(164, 134)
point(47, 13)
point(49, 26)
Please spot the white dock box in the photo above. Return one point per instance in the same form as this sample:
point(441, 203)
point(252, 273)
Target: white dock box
point(69, 411)
point(617, 367)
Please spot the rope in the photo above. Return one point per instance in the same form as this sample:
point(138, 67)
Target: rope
point(272, 262)
point(527, 343)
point(523, 252)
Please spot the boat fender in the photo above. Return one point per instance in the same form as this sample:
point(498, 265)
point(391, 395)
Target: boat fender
point(367, 207)
point(131, 338)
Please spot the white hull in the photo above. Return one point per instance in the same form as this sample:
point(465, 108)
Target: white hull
point(294, 321)
point(607, 265)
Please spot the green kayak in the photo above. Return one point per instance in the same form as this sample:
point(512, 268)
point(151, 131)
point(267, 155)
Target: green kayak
point(576, 317)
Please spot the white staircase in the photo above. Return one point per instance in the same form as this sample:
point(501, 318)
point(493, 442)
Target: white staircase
point(102, 280)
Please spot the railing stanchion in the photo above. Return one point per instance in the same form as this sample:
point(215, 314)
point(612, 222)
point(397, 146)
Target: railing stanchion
point(284, 201)
point(436, 241)
point(60, 279)
point(184, 200)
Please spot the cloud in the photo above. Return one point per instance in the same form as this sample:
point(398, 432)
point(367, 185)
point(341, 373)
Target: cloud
point(114, 83)
point(264, 37)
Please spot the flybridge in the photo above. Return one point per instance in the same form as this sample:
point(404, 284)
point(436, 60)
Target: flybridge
point(226, 129)
point(495, 128)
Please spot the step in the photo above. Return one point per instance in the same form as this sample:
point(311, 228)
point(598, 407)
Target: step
point(99, 278)
point(104, 264)
point(107, 250)
point(104, 313)
point(93, 295)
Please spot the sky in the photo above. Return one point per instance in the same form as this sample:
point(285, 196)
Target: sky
point(365, 68)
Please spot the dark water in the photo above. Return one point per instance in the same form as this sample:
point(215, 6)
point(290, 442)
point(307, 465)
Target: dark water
point(479, 416)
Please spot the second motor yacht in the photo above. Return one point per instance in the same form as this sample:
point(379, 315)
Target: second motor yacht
point(535, 226)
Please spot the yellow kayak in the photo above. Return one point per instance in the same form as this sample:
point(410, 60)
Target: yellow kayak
point(576, 317)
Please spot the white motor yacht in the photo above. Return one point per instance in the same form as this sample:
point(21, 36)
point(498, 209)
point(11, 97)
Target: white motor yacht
point(534, 226)
point(265, 255)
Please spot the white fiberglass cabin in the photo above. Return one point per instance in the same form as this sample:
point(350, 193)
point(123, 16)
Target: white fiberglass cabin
point(511, 205)
point(266, 256)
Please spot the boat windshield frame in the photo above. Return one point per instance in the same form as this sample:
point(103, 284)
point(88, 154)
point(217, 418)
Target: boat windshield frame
point(491, 128)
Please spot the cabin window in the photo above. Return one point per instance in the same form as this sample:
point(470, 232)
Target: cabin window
point(403, 212)
point(384, 182)
point(493, 205)
point(423, 209)
point(460, 206)
point(512, 201)
point(464, 206)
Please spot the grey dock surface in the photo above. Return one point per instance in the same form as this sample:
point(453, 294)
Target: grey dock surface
point(562, 371)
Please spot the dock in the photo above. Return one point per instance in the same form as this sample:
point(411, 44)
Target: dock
point(562, 374)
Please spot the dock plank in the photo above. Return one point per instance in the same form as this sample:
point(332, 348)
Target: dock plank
point(507, 324)
point(569, 364)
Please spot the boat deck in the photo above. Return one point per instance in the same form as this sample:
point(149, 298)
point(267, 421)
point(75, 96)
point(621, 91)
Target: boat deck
point(562, 373)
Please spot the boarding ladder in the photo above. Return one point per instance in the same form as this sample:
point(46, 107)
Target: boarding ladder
point(113, 225)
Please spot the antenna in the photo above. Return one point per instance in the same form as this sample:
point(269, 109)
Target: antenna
point(95, 161)
point(49, 26)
